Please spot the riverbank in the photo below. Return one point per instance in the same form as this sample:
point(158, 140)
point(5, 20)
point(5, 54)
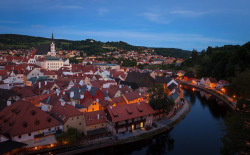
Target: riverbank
point(162, 126)
point(224, 98)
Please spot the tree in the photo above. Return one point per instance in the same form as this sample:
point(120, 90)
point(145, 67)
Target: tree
point(237, 137)
point(70, 136)
point(158, 99)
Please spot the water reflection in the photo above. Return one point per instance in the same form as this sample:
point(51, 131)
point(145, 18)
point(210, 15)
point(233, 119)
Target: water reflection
point(199, 133)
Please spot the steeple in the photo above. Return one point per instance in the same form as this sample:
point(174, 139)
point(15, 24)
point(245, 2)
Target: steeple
point(52, 37)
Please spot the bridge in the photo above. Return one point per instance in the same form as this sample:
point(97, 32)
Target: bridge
point(229, 101)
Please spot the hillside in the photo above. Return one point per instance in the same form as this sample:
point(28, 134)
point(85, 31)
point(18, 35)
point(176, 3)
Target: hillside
point(230, 62)
point(15, 41)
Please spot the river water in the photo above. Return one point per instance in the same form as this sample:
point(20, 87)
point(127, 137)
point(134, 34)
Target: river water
point(199, 133)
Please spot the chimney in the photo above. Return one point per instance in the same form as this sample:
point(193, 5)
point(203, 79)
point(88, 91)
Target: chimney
point(47, 91)
point(57, 92)
point(73, 103)
point(62, 103)
point(64, 93)
point(139, 103)
point(71, 94)
point(45, 82)
point(39, 84)
point(97, 100)
point(129, 87)
point(82, 96)
point(120, 86)
point(8, 103)
point(98, 116)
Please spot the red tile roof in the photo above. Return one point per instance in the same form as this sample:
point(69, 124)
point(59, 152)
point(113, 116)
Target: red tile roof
point(91, 118)
point(132, 96)
point(86, 102)
point(49, 73)
point(23, 117)
point(129, 111)
point(63, 113)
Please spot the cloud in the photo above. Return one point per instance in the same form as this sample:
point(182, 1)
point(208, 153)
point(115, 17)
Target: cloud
point(102, 11)
point(156, 18)
point(9, 22)
point(37, 26)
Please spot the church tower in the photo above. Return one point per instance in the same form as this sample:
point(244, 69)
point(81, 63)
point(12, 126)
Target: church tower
point(52, 47)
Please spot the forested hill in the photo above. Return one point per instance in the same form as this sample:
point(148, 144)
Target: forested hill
point(229, 62)
point(15, 41)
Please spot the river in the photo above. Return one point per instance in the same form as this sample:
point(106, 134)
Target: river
point(199, 133)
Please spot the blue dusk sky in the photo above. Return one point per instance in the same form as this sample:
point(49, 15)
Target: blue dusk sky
point(183, 24)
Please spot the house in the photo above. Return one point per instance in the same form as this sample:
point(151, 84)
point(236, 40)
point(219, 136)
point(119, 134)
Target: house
point(90, 104)
point(10, 81)
point(112, 92)
point(203, 81)
point(210, 83)
point(222, 83)
point(129, 117)
point(50, 74)
point(189, 77)
point(118, 101)
point(132, 97)
point(70, 116)
point(31, 73)
point(139, 79)
point(7, 97)
point(96, 123)
point(23, 122)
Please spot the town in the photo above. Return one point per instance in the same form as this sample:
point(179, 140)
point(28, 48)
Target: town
point(45, 97)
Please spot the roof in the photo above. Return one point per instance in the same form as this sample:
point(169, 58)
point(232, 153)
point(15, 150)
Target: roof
point(172, 86)
point(132, 96)
point(141, 79)
point(9, 145)
point(174, 96)
point(43, 49)
point(95, 117)
point(162, 79)
point(87, 102)
point(212, 80)
point(23, 117)
point(129, 111)
point(63, 113)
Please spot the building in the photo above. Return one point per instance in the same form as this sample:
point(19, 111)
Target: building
point(23, 122)
point(69, 115)
point(96, 123)
point(46, 49)
point(129, 117)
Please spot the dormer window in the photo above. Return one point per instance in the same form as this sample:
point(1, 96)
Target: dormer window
point(37, 122)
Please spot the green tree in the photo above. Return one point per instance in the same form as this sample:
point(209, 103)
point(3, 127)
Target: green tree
point(70, 136)
point(158, 99)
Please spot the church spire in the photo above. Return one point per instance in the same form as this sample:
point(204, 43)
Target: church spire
point(52, 37)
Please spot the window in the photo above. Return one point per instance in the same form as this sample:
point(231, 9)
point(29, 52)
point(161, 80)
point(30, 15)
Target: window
point(29, 134)
point(19, 136)
point(80, 123)
point(102, 124)
point(67, 126)
point(77, 117)
point(49, 129)
point(73, 118)
point(93, 109)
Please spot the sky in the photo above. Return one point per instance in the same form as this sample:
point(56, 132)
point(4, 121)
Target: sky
point(184, 24)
